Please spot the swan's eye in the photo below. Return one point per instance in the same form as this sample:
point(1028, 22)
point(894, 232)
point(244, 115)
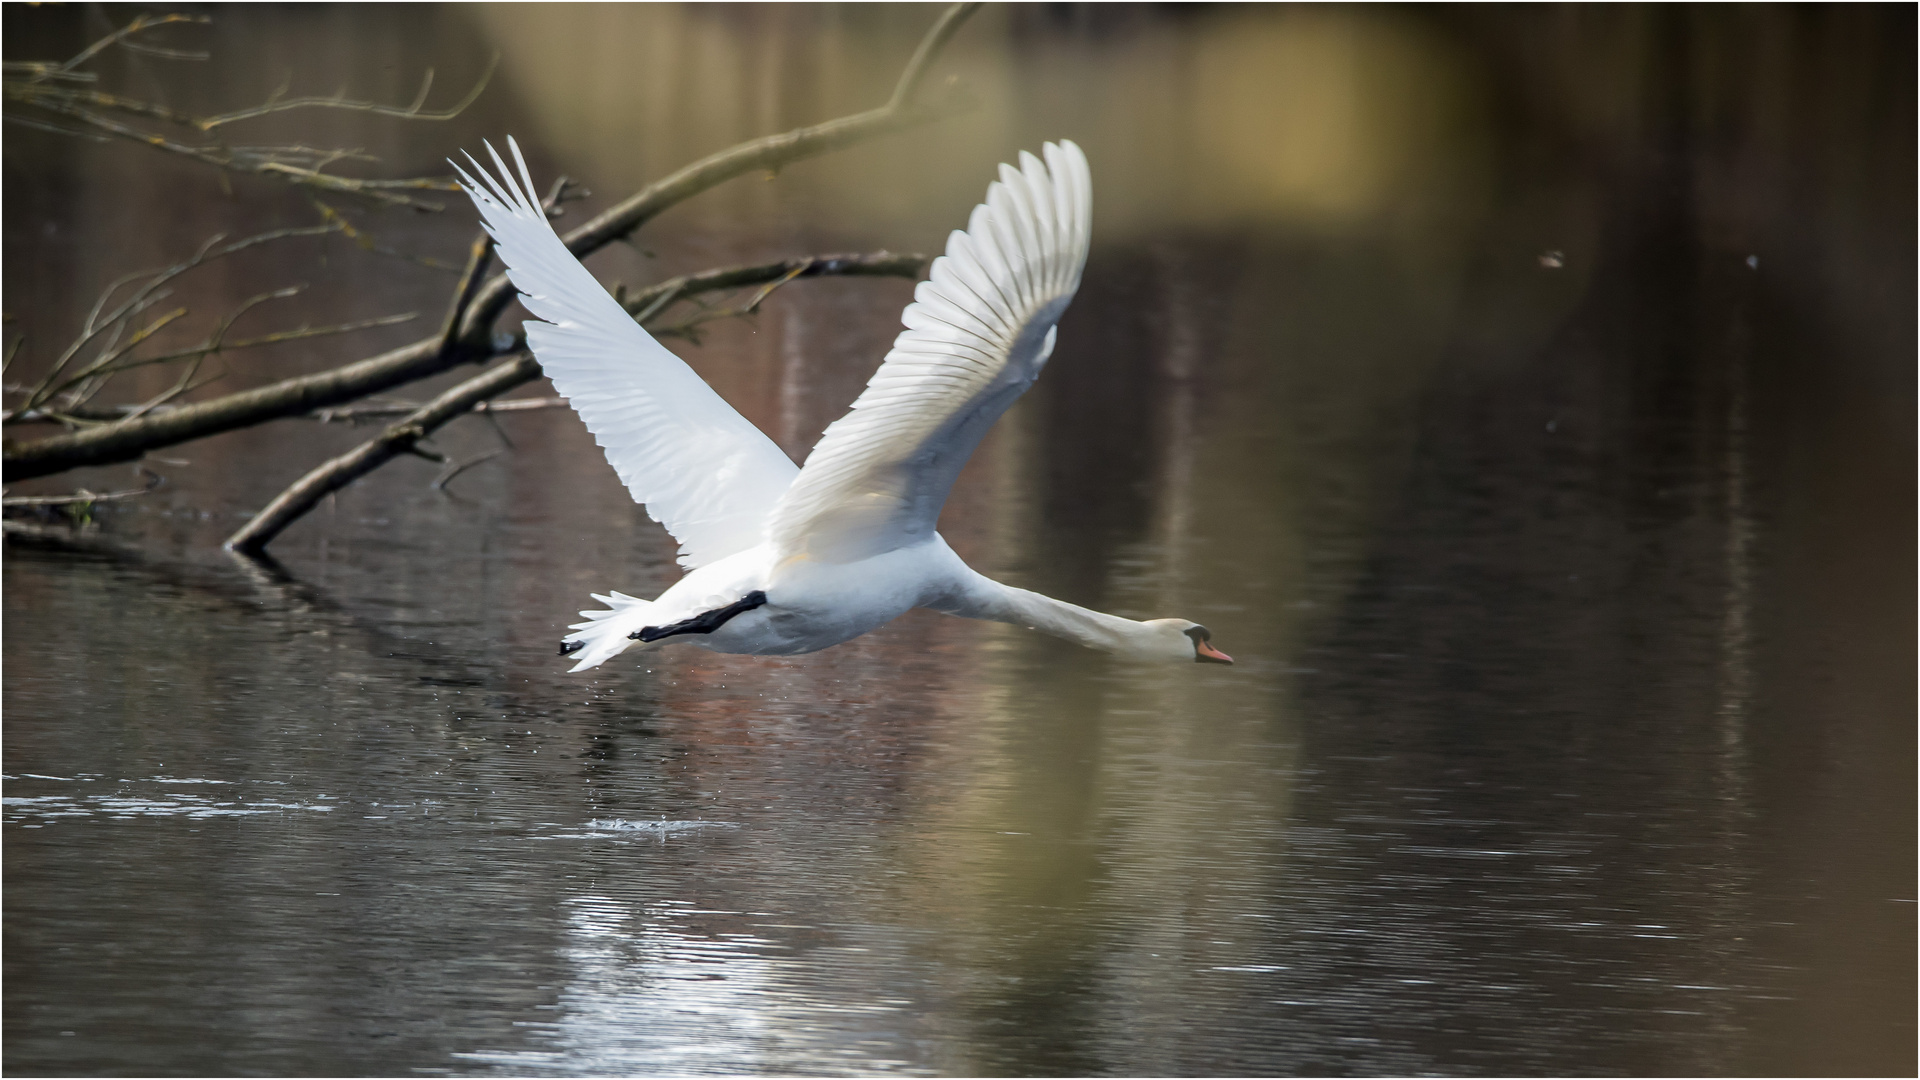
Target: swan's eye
point(1198, 633)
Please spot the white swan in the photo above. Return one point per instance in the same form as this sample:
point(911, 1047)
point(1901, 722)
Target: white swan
point(785, 560)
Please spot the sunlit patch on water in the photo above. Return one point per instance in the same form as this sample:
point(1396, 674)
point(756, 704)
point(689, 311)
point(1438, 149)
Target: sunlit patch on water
point(674, 989)
point(125, 800)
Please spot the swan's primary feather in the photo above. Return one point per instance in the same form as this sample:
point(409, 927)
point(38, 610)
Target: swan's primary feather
point(978, 332)
point(700, 468)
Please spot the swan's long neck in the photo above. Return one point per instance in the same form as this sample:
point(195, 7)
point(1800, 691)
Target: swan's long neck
point(985, 598)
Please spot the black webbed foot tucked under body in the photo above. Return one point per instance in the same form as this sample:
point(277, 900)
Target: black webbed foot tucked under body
point(704, 623)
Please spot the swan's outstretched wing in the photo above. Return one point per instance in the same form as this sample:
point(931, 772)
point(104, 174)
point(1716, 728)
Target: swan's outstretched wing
point(978, 332)
point(700, 468)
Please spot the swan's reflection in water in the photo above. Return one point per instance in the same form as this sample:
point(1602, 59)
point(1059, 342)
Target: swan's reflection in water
point(671, 989)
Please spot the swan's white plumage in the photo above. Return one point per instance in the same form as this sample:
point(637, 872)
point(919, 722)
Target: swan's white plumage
point(604, 634)
point(846, 544)
point(700, 468)
point(977, 333)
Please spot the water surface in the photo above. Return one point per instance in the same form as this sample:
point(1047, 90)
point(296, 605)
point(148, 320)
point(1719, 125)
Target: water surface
point(1548, 474)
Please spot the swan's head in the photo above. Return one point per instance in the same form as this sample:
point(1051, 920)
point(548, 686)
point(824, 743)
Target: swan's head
point(1180, 639)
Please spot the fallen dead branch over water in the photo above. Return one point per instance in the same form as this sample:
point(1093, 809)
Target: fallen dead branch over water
point(404, 436)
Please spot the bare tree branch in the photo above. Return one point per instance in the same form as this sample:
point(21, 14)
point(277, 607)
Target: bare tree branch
point(291, 397)
point(655, 300)
point(400, 438)
point(405, 435)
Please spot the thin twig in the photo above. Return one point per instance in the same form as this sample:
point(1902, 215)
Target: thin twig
point(185, 384)
point(353, 414)
point(108, 366)
point(454, 469)
point(300, 333)
point(470, 278)
point(36, 85)
point(340, 102)
point(930, 46)
point(45, 69)
point(41, 125)
point(147, 295)
point(138, 25)
point(143, 298)
point(33, 94)
point(164, 54)
point(118, 351)
point(685, 327)
point(80, 417)
point(317, 157)
point(649, 303)
point(382, 191)
point(83, 495)
point(365, 241)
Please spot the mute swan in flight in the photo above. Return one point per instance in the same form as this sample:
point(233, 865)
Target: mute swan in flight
point(783, 559)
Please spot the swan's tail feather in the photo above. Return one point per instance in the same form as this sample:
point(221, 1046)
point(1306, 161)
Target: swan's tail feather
point(605, 633)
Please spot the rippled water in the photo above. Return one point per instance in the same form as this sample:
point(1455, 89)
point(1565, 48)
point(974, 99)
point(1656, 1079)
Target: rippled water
point(1572, 728)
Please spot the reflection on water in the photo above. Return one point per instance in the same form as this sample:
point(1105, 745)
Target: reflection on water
point(1573, 725)
point(153, 797)
point(670, 988)
point(600, 828)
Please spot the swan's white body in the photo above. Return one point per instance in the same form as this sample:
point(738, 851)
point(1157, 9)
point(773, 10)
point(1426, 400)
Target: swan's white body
point(785, 560)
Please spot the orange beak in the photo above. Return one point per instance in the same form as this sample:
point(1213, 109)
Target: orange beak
point(1205, 653)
